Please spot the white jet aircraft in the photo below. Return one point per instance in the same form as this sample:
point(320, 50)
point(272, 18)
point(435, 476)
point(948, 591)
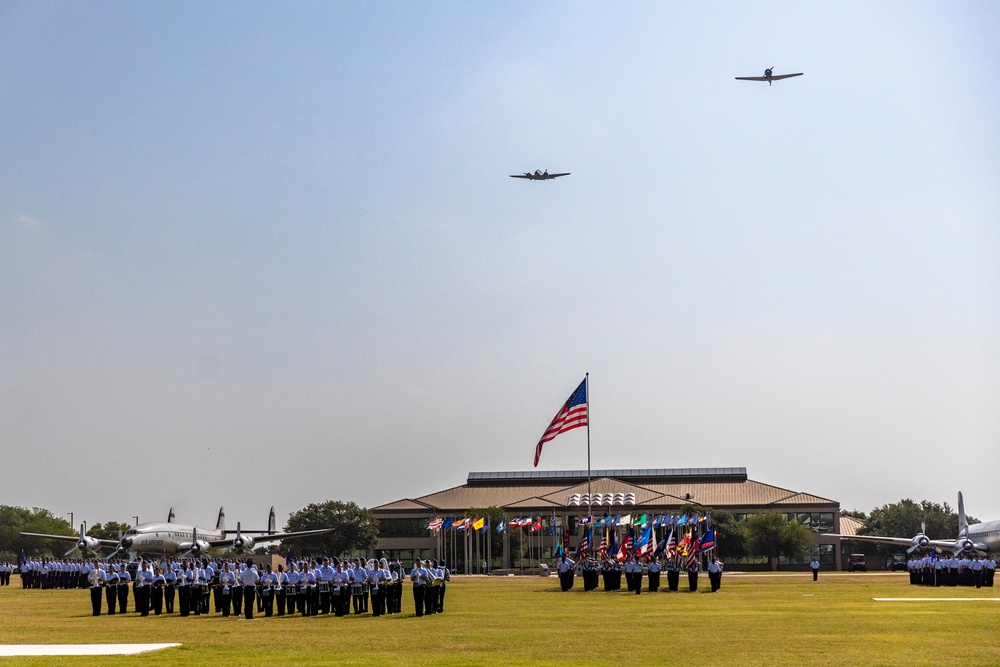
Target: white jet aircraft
point(980, 537)
point(179, 540)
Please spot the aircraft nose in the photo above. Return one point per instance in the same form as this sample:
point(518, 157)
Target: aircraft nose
point(126, 542)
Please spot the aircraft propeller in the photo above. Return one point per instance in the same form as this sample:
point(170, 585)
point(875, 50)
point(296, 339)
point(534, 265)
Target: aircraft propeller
point(920, 540)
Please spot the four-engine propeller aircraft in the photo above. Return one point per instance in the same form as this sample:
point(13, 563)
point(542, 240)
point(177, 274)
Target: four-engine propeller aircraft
point(768, 76)
point(980, 537)
point(174, 539)
point(539, 175)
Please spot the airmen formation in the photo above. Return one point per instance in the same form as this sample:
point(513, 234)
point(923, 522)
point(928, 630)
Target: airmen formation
point(951, 571)
point(325, 586)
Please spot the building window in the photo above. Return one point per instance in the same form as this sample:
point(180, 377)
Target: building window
point(402, 528)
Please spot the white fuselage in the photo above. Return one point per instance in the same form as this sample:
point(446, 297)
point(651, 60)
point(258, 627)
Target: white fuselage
point(987, 533)
point(166, 538)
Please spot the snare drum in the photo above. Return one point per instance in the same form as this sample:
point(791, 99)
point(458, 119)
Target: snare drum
point(356, 589)
point(324, 587)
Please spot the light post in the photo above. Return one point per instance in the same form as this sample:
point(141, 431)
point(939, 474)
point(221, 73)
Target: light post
point(136, 517)
point(71, 524)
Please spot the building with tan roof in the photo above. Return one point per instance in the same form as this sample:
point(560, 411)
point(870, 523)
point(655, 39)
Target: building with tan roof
point(564, 495)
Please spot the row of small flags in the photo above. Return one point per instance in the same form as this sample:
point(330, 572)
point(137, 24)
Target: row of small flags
point(644, 521)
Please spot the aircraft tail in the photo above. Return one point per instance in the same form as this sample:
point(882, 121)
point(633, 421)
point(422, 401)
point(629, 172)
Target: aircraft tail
point(170, 515)
point(963, 524)
point(220, 524)
point(270, 522)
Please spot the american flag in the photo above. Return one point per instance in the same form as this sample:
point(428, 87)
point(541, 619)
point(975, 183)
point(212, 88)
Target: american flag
point(584, 545)
point(603, 549)
point(435, 524)
point(671, 544)
point(626, 547)
point(692, 554)
point(573, 414)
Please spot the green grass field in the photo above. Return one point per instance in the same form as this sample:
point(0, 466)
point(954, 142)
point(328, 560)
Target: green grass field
point(758, 619)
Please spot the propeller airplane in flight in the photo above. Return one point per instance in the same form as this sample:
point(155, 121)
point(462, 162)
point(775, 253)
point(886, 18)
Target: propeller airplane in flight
point(769, 76)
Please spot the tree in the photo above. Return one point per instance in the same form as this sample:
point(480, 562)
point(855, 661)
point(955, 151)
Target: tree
point(112, 530)
point(856, 514)
point(354, 528)
point(772, 535)
point(904, 518)
point(14, 520)
point(728, 534)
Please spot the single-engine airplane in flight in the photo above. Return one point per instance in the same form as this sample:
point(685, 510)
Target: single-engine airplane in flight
point(979, 537)
point(178, 540)
point(768, 76)
point(538, 175)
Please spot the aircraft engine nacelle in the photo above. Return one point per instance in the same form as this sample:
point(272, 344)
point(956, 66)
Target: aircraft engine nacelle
point(962, 545)
point(195, 547)
point(242, 543)
point(88, 544)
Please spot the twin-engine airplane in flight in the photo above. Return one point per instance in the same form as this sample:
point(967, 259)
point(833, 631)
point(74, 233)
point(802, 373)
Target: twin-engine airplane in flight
point(979, 537)
point(178, 540)
point(539, 175)
point(768, 76)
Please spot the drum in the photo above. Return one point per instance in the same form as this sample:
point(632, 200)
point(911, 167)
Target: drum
point(356, 589)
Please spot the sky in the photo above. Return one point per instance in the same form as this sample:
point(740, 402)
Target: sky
point(265, 253)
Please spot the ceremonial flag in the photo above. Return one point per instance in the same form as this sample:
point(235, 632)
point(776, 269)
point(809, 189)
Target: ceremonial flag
point(641, 521)
point(447, 524)
point(486, 526)
point(692, 554)
point(435, 524)
point(587, 520)
point(573, 414)
point(501, 526)
point(627, 519)
point(683, 520)
point(626, 547)
point(612, 544)
point(660, 548)
point(537, 525)
point(671, 544)
point(708, 539)
point(581, 551)
point(682, 547)
point(603, 550)
point(462, 524)
point(644, 545)
point(479, 524)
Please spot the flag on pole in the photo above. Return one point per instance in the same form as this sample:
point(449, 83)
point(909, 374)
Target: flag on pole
point(644, 545)
point(502, 526)
point(447, 524)
point(603, 550)
point(573, 414)
point(479, 523)
point(537, 525)
point(708, 539)
point(671, 545)
point(581, 551)
point(692, 553)
point(435, 524)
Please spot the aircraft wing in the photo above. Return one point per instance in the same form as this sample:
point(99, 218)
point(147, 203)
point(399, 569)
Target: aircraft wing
point(558, 175)
point(263, 536)
point(785, 76)
point(72, 538)
point(521, 176)
point(908, 541)
point(753, 78)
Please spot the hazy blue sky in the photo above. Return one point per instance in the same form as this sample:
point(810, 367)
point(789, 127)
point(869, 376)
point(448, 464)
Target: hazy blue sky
point(268, 253)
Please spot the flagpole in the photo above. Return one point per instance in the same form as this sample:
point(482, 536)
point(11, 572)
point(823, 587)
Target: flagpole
point(590, 500)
